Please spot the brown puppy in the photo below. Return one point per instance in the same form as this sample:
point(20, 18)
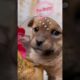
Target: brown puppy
point(46, 46)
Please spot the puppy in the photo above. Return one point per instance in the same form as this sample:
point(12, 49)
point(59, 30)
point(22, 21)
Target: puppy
point(46, 46)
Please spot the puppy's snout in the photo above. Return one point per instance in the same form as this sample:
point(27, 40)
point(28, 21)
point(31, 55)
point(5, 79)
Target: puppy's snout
point(39, 42)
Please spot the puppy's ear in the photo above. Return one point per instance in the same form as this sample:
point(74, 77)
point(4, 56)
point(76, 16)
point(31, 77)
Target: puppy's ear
point(30, 23)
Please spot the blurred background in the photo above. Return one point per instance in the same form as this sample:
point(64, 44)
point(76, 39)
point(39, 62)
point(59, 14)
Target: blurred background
point(30, 8)
point(71, 39)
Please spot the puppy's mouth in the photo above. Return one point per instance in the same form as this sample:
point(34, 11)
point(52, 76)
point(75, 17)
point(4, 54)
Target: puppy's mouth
point(46, 52)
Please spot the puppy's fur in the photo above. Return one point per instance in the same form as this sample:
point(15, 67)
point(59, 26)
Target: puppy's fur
point(46, 46)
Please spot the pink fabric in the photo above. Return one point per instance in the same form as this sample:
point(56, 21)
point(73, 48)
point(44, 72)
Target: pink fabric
point(21, 49)
point(40, 17)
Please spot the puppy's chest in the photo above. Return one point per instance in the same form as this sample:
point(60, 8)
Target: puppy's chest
point(54, 73)
point(55, 69)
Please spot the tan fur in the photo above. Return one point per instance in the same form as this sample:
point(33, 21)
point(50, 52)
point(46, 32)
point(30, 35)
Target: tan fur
point(52, 63)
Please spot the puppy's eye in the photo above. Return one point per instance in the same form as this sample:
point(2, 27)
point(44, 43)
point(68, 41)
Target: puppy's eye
point(36, 29)
point(55, 32)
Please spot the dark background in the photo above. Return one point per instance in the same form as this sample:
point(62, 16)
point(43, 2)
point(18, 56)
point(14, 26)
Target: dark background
point(8, 39)
point(71, 40)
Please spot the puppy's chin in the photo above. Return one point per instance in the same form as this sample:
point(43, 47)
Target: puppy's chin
point(47, 52)
point(38, 51)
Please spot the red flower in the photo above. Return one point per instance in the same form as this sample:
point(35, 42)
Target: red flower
point(21, 33)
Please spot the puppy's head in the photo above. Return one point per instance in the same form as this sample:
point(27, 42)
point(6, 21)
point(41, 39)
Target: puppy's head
point(46, 39)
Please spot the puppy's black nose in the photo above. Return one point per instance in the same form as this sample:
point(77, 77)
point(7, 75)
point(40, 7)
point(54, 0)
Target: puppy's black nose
point(39, 43)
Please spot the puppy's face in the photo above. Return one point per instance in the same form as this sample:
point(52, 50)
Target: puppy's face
point(46, 39)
